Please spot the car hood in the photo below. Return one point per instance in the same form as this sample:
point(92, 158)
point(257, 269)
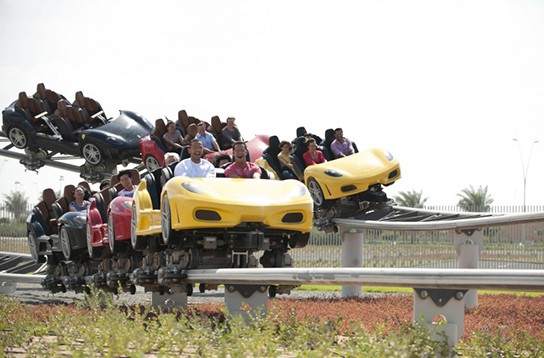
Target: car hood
point(129, 128)
point(367, 163)
point(245, 192)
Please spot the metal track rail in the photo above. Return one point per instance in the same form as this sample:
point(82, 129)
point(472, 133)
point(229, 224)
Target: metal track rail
point(11, 262)
point(410, 219)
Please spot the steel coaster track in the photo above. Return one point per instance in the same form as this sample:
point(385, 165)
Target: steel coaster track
point(16, 263)
point(411, 219)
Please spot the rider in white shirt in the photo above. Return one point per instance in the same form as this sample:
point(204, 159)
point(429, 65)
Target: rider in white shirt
point(195, 166)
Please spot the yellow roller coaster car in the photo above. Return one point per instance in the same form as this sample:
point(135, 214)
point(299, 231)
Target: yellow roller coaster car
point(224, 213)
point(357, 178)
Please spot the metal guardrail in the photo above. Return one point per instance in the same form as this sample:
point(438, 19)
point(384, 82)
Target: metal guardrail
point(489, 279)
point(527, 280)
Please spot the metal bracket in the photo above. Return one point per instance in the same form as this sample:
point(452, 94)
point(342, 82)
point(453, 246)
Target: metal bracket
point(467, 232)
point(441, 304)
point(246, 301)
point(246, 290)
point(440, 296)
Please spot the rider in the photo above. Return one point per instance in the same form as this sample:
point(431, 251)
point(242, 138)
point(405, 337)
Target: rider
point(79, 203)
point(241, 168)
point(195, 166)
point(125, 178)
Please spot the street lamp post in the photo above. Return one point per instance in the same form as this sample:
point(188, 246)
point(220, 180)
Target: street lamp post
point(61, 179)
point(525, 168)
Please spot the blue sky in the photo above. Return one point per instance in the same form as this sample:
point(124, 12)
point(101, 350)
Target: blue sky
point(444, 85)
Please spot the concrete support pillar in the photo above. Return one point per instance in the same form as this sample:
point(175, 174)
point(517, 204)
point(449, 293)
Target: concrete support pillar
point(468, 249)
point(352, 256)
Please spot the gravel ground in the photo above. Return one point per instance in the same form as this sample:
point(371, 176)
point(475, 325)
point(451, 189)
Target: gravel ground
point(34, 294)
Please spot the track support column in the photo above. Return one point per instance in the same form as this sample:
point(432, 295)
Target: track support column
point(352, 256)
point(468, 245)
point(442, 311)
point(7, 287)
point(176, 298)
point(248, 301)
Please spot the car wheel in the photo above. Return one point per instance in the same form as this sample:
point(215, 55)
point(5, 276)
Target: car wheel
point(65, 243)
point(18, 137)
point(114, 246)
point(151, 163)
point(169, 236)
point(138, 242)
point(316, 193)
point(91, 153)
point(94, 252)
point(33, 248)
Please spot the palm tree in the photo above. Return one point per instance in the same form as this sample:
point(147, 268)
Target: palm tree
point(16, 203)
point(411, 199)
point(476, 200)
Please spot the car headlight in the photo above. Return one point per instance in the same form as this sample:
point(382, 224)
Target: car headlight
point(297, 192)
point(333, 173)
point(192, 187)
point(127, 204)
point(388, 155)
point(81, 219)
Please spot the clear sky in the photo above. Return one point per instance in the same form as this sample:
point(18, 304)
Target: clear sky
point(444, 85)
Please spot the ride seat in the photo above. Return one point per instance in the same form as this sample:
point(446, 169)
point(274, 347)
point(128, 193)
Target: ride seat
point(76, 117)
point(41, 214)
point(31, 107)
point(61, 205)
point(89, 108)
point(300, 149)
point(193, 120)
point(216, 129)
point(22, 105)
point(154, 187)
point(326, 144)
point(52, 98)
point(49, 197)
point(102, 199)
point(41, 94)
point(184, 153)
point(49, 98)
point(68, 120)
point(158, 132)
point(270, 154)
point(167, 173)
point(266, 174)
point(298, 167)
point(183, 122)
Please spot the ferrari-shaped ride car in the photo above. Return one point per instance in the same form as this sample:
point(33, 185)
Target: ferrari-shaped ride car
point(219, 222)
point(342, 187)
point(57, 234)
point(190, 205)
point(104, 143)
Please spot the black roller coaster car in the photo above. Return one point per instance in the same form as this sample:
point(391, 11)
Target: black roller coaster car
point(32, 125)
